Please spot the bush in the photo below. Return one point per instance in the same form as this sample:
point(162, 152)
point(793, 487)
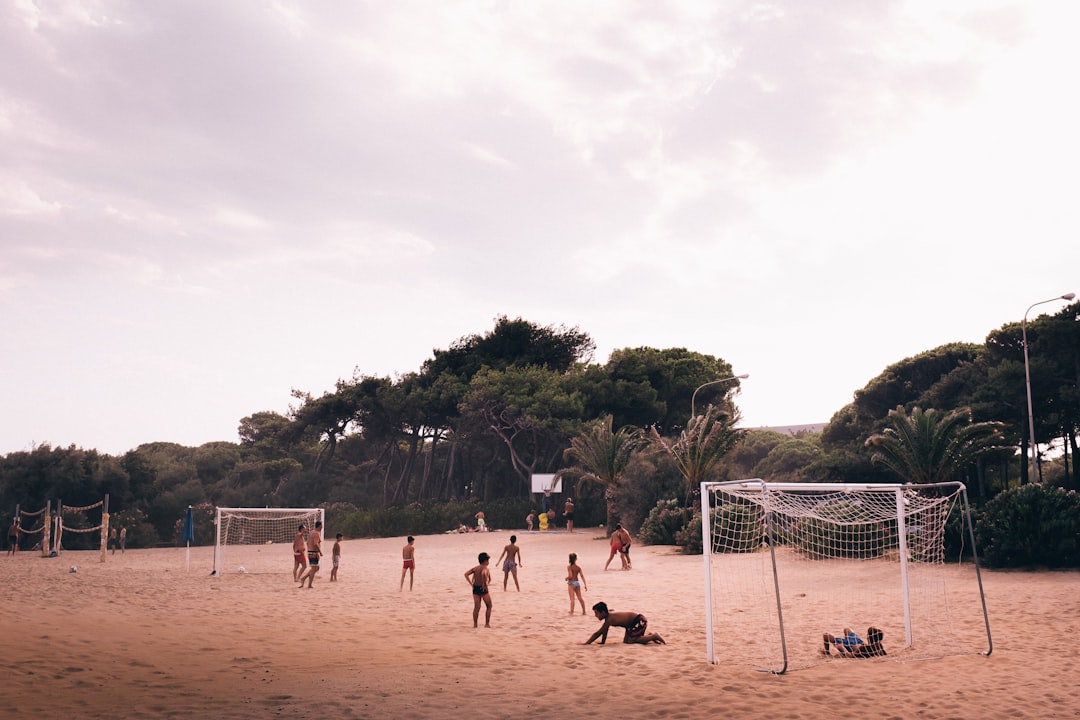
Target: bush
point(1031, 526)
point(429, 519)
point(663, 524)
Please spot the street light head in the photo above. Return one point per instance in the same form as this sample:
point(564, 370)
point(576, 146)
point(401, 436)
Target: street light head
point(743, 376)
point(1068, 296)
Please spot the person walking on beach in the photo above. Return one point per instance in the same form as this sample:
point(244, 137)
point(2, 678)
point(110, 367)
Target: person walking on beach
point(568, 513)
point(481, 523)
point(408, 562)
point(513, 559)
point(575, 578)
point(299, 553)
point(479, 577)
point(123, 539)
point(634, 623)
point(335, 557)
point(314, 552)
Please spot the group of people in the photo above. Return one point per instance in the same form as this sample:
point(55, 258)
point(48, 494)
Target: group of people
point(547, 518)
point(307, 551)
point(118, 540)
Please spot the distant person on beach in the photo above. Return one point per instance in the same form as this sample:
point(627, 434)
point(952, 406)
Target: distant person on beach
point(849, 644)
point(575, 578)
point(481, 524)
point(335, 557)
point(635, 625)
point(299, 553)
point(513, 559)
point(480, 577)
point(112, 540)
point(620, 543)
point(551, 518)
point(123, 540)
point(314, 552)
point(568, 513)
point(408, 562)
point(13, 538)
point(529, 520)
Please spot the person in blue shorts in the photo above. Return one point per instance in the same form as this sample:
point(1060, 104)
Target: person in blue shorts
point(849, 644)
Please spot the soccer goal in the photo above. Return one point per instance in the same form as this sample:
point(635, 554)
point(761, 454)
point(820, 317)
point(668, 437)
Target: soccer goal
point(249, 539)
point(786, 563)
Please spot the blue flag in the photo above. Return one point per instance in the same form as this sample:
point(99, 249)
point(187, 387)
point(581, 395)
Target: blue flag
point(189, 526)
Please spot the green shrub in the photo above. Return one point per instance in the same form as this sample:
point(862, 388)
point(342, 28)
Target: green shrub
point(663, 523)
point(1030, 526)
point(429, 519)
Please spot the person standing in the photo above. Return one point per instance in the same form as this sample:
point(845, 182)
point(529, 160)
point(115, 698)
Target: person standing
point(123, 539)
point(480, 577)
point(335, 557)
point(513, 560)
point(13, 537)
point(481, 523)
point(112, 540)
point(314, 552)
point(529, 520)
point(299, 552)
point(575, 578)
point(408, 562)
point(568, 513)
point(620, 544)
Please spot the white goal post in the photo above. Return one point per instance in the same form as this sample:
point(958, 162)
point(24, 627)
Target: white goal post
point(786, 563)
point(246, 537)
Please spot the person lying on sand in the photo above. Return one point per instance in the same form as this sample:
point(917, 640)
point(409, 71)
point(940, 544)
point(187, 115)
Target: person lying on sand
point(634, 623)
point(851, 645)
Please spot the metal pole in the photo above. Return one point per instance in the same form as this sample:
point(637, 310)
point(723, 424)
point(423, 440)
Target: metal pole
point(713, 382)
point(1032, 475)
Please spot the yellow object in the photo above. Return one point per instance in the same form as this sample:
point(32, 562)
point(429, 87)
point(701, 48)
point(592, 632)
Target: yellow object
point(543, 521)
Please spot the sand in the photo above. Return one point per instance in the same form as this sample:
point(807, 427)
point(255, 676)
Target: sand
point(140, 636)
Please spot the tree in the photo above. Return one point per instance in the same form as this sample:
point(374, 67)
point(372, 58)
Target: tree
point(700, 447)
point(601, 456)
point(931, 447)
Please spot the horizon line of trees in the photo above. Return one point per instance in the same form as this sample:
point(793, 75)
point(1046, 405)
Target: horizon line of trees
point(480, 417)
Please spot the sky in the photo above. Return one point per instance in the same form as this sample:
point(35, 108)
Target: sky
point(205, 205)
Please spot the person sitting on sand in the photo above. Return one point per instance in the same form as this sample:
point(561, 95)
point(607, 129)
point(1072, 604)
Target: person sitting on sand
point(634, 623)
point(849, 644)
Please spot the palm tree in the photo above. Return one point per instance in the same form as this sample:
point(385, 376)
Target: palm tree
point(700, 446)
point(601, 456)
point(926, 447)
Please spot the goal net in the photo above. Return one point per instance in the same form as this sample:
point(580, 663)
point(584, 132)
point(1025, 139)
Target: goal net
point(786, 563)
point(250, 539)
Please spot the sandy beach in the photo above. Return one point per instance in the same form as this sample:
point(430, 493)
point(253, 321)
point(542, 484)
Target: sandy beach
point(141, 636)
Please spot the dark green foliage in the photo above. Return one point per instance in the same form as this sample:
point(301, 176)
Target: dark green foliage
point(431, 519)
point(663, 523)
point(1031, 526)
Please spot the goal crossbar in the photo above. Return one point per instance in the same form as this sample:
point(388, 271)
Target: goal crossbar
point(787, 533)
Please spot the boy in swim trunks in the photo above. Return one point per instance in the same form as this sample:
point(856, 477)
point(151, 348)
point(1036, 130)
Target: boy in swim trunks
point(335, 555)
point(408, 562)
point(299, 553)
point(479, 577)
point(635, 625)
point(513, 560)
point(851, 645)
point(314, 552)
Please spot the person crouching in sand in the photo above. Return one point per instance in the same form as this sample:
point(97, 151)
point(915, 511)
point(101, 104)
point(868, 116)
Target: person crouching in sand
point(635, 625)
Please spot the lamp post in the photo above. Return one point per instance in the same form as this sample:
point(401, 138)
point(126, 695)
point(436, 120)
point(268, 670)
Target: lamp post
point(713, 382)
point(1027, 380)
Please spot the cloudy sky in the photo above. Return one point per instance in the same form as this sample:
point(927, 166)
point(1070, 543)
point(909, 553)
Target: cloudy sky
point(204, 205)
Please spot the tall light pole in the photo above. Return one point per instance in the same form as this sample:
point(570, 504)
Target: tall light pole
point(1027, 379)
point(713, 382)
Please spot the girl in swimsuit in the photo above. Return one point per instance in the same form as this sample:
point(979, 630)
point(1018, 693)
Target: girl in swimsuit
point(575, 578)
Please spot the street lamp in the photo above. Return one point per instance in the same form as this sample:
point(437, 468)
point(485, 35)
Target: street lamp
point(1027, 380)
point(713, 382)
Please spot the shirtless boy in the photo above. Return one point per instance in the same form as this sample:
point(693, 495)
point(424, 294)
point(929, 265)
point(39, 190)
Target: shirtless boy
point(634, 623)
point(299, 552)
point(408, 562)
point(335, 556)
point(314, 552)
point(479, 577)
point(513, 560)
